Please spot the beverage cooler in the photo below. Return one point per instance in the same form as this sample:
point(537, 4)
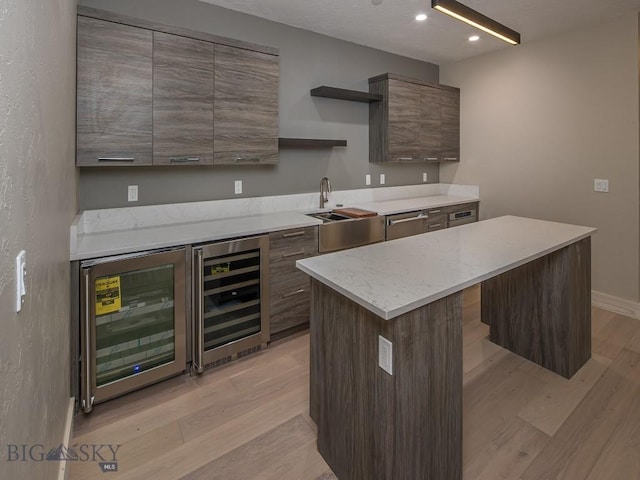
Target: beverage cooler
point(230, 299)
point(132, 323)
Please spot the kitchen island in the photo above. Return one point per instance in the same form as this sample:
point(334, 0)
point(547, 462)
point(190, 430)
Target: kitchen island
point(536, 297)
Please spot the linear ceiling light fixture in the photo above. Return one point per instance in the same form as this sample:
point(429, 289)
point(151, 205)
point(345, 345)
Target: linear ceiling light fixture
point(468, 15)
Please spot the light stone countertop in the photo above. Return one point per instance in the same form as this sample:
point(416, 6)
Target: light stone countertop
point(398, 276)
point(410, 204)
point(136, 240)
point(102, 233)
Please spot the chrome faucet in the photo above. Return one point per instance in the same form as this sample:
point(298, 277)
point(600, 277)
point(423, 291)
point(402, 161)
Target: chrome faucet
point(325, 189)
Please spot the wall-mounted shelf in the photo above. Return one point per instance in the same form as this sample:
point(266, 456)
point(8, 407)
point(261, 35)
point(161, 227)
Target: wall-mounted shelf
point(310, 143)
point(343, 94)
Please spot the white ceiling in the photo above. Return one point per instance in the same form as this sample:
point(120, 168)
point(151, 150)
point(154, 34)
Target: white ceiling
point(390, 26)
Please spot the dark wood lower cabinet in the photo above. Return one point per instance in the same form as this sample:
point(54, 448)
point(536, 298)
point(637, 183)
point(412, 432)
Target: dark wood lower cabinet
point(290, 287)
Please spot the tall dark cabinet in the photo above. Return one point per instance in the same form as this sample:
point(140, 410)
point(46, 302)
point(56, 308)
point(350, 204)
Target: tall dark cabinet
point(245, 106)
point(182, 100)
point(114, 96)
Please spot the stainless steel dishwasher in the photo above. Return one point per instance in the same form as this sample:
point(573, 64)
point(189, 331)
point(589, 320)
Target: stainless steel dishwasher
point(230, 298)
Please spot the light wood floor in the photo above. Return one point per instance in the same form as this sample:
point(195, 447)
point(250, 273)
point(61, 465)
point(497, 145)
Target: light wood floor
point(249, 419)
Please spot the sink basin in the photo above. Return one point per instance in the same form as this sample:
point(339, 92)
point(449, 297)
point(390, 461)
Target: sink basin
point(328, 216)
point(338, 232)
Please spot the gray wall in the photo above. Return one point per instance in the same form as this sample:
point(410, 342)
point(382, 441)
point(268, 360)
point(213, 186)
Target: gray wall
point(37, 204)
point(541, 121)
point(307, 60)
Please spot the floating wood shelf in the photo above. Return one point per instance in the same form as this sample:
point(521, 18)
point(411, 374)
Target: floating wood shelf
point(343, 94)
point(310, 143)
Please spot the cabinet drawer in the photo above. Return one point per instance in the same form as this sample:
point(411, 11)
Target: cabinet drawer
point(290, 308)
point(292, 239)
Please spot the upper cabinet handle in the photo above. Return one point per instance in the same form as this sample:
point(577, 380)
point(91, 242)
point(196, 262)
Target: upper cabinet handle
point(451, 158)
point(431, 159)
point(404, 158)
point(116, 159)
point(246, 159)
point(184, 159)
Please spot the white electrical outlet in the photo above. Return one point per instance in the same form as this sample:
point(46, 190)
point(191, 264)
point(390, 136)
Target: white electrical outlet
point(385, 354)
point(367, 179)
point(238, 187)
point(382, 179)
point(424, 176)
point(132, 193)
point(601, 185)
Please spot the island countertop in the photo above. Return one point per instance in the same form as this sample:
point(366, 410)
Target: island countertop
point(398, 276)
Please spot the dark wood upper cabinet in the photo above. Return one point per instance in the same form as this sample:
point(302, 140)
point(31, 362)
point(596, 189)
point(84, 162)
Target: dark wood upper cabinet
point(114, 94)
point(152, 94)
point(182, 100)
point(245, 107)
point(416, 121)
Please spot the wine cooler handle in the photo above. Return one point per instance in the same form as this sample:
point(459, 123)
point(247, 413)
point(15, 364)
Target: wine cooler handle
point(199, 324)
point(87, 398)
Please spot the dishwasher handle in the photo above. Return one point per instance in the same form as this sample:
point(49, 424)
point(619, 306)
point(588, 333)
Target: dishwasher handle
point(421, 216)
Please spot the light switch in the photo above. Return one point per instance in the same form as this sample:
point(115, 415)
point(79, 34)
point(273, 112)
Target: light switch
point(21, 273)
point(382, 179)
point(367, 179)
point(238, 187)
point(424, 176)
point(601, 185)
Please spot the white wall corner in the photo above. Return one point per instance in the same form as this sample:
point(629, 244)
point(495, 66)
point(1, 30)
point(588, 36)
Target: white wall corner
point(63, 472)
point(615, 304)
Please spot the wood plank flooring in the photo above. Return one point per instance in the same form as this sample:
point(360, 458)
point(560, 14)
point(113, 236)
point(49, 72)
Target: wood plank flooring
point(249, 418)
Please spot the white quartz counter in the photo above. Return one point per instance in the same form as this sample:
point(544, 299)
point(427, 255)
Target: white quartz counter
point(410, 204)
point(149, 238)
point(398, 276)
point(101, 233)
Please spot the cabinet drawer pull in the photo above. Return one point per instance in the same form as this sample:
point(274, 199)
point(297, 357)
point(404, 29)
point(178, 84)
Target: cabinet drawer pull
point(404, 159)
point(433, 212)
point(295, 292)
point(431, 159)
point(246, 159)
point(451, 159)
point(293, 234)
point(410, 219)
point(184, 159)
point(436, 225)
point(116, 159)
point(293, 254)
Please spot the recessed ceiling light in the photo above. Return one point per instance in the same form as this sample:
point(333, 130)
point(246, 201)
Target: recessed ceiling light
point(474, 38)
point(421, 17)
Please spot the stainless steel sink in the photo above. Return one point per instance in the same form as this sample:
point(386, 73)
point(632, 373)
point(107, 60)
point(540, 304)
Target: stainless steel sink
point(329, 217)
point(339, 232)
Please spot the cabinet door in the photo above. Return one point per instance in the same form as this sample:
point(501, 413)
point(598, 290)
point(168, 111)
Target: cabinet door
point(114, 94)
point(430, 123)
point(182, 100)
point(450, 120)
point(404, 122)
point(245, 107)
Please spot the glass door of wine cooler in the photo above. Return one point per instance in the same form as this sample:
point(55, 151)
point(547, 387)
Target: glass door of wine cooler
point(230, 298)
point(133, 330)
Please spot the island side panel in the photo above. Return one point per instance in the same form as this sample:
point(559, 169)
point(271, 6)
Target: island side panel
point(387, 427)
point(542, 310)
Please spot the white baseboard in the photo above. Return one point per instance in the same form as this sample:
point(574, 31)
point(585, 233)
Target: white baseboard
point(615, 304)
point(66, 438)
